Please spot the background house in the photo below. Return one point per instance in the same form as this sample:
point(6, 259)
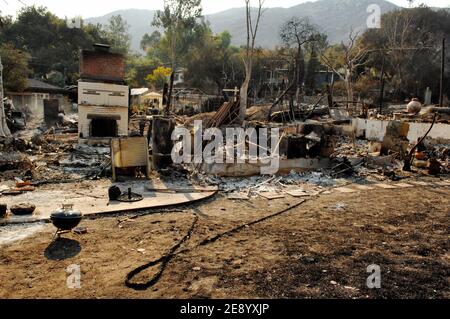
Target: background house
point(137, 96)
point(154, 99)
point(31, 100)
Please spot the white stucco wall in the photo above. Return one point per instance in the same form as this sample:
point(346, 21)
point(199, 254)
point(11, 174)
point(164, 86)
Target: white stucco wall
point(375, 130)
point(104, 94)
point(34, 102)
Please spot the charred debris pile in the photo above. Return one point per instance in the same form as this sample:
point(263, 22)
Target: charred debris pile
point(105, 137)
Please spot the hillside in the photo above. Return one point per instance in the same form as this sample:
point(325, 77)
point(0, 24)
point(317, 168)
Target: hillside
point(140, 22)
point(334, 17)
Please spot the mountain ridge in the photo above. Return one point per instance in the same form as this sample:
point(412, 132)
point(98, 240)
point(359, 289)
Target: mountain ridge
point(333, 17)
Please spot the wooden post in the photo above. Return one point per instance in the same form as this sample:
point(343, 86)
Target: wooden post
point(169, 97)
point(441, 93)
point(235, 93)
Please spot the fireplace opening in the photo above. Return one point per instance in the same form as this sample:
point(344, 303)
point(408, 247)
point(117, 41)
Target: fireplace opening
point(104, 127)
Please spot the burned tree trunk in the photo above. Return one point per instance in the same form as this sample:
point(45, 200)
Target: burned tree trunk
point(252, 30)
point(349, 87)
point(4, 130)
point(244, 92)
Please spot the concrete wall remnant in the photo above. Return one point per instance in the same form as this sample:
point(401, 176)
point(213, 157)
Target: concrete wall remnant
point(375, 130)
point(395, 139)
point(250, 169)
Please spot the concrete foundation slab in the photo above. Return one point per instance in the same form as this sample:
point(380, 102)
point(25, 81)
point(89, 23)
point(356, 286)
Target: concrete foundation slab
point(95, 200)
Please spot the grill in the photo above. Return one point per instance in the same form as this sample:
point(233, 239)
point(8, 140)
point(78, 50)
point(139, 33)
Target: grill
point(65, 220)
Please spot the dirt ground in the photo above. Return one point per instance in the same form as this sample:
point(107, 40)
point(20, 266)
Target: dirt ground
point(321, 249)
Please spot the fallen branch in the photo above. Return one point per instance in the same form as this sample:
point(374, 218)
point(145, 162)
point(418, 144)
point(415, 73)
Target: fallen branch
point(314, 107)
point(278, 100)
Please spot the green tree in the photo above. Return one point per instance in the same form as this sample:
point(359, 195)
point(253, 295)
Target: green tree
point(52, 45)
point(217, 50)
point(118, 34)
point(15, 68)
point(4, 130)
point(313, 60)
point(178, 19)
point(138, 68)
point(409, 43)
point(311, 69)
point(149, 41)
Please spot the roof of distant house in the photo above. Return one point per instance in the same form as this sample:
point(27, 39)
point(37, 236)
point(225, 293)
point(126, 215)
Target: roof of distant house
point(34, 85)
point(153, 94)
point(139, 91)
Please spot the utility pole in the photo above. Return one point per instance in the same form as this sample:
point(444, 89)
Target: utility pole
point(4, 130)
point(441, 93)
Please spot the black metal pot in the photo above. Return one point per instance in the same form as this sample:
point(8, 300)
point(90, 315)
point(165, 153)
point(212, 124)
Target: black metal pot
point(3, 209)
point(66, 218)
point(23, 209)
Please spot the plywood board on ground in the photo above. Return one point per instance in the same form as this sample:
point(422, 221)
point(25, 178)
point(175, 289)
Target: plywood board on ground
point(363, 187)
point(443, 183)
point(385, 186)
point(298, 193)
point(238, 196)
point(272, 195)
point(404, 185)
point(345, 190)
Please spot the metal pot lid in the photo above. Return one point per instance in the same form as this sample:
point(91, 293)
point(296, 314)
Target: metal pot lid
point(66, 215)
point(66, 212)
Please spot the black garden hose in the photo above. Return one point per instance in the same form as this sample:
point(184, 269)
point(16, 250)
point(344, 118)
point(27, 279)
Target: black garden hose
point(164, 260)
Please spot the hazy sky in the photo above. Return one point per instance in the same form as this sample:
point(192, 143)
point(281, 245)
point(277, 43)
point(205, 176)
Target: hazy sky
point(93, 8)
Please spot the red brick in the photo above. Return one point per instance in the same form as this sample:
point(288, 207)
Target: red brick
point(102, 65)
